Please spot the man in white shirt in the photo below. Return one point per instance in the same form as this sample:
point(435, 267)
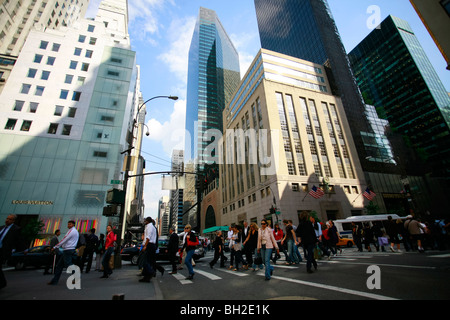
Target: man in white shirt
point(150, 250)
point(69, 246)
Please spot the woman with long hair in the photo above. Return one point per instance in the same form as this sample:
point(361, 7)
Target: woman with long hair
point(266, 244)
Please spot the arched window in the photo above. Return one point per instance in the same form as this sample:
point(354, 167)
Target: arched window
point(210, 218)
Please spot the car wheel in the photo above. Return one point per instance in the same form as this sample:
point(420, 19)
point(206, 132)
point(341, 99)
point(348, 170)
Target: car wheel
point(134, 259)
point(20, 265)
point(349, 244)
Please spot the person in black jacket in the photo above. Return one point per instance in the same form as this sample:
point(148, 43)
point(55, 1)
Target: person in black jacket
point(10, 238)
point(218, 250)
point(305, 231)
point(172, 248)
point(88, 253)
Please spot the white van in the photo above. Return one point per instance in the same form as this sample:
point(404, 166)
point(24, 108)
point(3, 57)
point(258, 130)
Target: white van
point(344, 226)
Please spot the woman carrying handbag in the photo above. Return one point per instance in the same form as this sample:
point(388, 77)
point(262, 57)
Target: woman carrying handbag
point(266, 244)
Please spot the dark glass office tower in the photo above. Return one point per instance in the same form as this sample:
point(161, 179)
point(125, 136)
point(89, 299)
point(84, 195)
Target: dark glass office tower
point(395, 75)
point(213, 76)
point(306, 29)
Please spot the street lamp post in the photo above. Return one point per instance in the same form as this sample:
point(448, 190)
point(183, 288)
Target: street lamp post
point(122, 216)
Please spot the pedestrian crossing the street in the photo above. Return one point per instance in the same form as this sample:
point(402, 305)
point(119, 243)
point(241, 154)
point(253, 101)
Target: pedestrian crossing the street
point(202, 268)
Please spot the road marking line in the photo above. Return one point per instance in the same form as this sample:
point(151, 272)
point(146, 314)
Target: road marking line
point(236, 273)
point(181, 278)
point(338, 289)
point(381, 264)
point(286, 267)
point(208, 275)
point(440, 256)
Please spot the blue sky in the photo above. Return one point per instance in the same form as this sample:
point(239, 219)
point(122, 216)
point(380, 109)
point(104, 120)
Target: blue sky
point(161, 31)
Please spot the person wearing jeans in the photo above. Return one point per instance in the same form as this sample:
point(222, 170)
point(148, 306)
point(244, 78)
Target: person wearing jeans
point(266, 243)
point(190, 243)
point(69, 245)
point(290, 240)
point(109, 250)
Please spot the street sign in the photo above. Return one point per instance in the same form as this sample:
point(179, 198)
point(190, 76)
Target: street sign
point(116, 182)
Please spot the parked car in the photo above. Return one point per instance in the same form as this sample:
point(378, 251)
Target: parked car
point(36, 257)
point(132, 253)
point(199, 253)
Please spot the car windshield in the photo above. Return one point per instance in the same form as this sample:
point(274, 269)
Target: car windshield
point(36, 250)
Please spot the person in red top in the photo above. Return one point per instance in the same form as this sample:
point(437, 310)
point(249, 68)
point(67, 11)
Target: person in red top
point(109, 249)
point(278, 234)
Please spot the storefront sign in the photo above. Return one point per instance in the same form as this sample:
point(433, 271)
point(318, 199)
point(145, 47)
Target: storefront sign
point(33, 202)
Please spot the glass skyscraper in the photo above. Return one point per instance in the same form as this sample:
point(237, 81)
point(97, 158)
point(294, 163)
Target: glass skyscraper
point(395, 75)
point(213, 76)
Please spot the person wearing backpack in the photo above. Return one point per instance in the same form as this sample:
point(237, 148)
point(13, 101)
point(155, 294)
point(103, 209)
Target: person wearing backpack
point(190, 243)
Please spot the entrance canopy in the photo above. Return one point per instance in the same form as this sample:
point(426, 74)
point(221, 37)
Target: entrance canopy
point(213, 229)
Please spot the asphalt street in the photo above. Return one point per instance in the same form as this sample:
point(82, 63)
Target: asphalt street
point(402, 276)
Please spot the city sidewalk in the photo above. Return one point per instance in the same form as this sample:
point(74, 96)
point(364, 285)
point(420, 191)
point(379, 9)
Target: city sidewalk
point(31, 284)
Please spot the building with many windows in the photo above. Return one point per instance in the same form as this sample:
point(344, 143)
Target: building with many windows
point(65, 114)
point(176, 195)
point(19, 17)
point(305, 29)
point(213, 76)
point(395, 75)
point(287, 135)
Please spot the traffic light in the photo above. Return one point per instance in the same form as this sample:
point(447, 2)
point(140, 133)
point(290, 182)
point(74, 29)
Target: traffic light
point(115, 196)
point(197, 183)
point(110, 211)
point(272, 210)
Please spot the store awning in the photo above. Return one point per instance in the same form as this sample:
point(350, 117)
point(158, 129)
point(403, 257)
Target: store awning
point(214, 229)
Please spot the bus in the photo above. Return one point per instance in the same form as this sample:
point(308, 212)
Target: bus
point(344, 226)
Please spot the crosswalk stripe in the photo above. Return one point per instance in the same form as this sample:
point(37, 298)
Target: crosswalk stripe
point(284, 266)
point(440, 256)
point(181, 278)
point(208, 275)
point(236, 273)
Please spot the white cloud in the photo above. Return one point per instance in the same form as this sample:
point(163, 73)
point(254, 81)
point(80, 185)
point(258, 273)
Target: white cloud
point(176, 57)
point(170, 133)
point(244, 42)
point(152, 194)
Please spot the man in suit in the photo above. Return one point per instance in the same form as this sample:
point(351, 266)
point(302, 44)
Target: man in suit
point(172, 247)
point(10, 238)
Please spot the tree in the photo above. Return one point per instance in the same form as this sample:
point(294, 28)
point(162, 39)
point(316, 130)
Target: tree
point(31, 230)
point(314, 215)
point(372, 208)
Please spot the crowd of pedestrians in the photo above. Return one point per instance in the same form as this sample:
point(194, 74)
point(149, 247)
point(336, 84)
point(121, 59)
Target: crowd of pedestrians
point(258, 246)
point(251, 246)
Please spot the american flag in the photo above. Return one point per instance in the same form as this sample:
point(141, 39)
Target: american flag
point(316, 192)
point(369, 194)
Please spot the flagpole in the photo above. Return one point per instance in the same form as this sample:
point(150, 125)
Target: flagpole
point(305, 197)
point(357, 197)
